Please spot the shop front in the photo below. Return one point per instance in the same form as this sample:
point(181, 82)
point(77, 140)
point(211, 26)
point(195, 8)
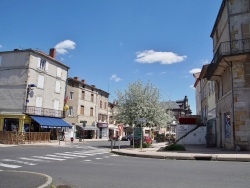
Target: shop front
point(103, 130)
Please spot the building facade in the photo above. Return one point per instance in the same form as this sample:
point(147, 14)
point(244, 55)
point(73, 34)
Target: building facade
point(32, 87)
point(87, 109)
point(230, 70)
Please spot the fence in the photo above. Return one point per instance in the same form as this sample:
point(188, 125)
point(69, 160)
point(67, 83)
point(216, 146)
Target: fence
point(9, 137)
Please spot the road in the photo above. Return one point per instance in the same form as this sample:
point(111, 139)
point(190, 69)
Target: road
point(93, 166)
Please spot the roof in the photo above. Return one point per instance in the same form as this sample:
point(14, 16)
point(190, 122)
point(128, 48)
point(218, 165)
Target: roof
point(170, 105)
point(38, 53)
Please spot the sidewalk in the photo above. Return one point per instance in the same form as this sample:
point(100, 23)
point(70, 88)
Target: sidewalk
point(193, 152)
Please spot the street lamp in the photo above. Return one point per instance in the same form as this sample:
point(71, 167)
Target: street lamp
point(29, 89)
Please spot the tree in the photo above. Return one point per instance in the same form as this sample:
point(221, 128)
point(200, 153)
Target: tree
point(140, 101)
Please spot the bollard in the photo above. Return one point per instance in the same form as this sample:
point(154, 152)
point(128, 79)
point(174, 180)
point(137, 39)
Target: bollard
point(71, 139)
point(111, 144)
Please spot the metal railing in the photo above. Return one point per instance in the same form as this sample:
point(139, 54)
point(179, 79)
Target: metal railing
point(229, 48)
point(32, 110)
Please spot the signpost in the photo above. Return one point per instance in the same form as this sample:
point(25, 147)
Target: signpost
point(141, 120)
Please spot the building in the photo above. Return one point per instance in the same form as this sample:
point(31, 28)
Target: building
point(87, 109)
point(230, 70)
point(32, 91)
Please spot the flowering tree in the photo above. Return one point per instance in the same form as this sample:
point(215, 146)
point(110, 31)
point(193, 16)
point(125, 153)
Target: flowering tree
point(140, 101)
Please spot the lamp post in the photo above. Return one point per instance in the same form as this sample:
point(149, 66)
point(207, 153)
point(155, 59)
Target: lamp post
point(29, 89)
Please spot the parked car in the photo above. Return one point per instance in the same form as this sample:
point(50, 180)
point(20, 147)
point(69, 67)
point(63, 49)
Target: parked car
point(146, 140)
point(127, 137)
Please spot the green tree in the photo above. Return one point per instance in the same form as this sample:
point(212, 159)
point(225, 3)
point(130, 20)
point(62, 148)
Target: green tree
point(141, 101)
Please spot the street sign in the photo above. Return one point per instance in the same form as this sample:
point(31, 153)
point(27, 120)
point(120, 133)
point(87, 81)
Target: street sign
point(137, 132)
point(142, 120)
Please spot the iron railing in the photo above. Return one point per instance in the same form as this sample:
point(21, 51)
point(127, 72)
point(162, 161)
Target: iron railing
point(229, 48)
point(32, 110)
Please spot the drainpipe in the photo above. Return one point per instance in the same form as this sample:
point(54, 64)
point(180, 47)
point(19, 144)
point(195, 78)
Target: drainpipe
point(232, 85)
point(229, 26)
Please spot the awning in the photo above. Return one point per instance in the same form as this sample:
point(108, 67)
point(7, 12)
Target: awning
point(50, 122)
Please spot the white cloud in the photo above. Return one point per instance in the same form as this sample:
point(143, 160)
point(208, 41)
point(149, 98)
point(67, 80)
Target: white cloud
point(64, 46)
point(163, 72)
point(150, 56)
point(149, 74)
point(192, 86)
point(195, 70)
point(115, 78)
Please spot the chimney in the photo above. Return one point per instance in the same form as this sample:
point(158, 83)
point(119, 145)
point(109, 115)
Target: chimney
point(83, 81)
point(75, 78)
point(52, 52)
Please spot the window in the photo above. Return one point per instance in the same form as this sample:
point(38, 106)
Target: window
point(56, 108)
point(100, 104)
point(42, 64)
point(92, 97)
point(57, 86)
point(40, 83)
point(71, 111)
point(59, 72)
point(91, 112)
point(82, 110)
point(83, 94)
point(71, 95)
point(105, 105)
point(39, 103)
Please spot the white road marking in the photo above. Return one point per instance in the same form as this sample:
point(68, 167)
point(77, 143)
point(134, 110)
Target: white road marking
point(98, 158)
point(31, 159)
point(114, 155)
point(70, 155)
point(9, 166)
point(49, 158)
point(87, 160)
point(19, 162)
point(65, 157)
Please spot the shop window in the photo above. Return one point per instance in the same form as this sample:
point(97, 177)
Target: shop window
point(11, 124)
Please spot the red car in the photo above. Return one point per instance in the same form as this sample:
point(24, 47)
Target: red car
point(146, 139)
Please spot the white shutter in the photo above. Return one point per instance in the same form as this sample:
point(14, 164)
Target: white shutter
point(59, 72)
point(38, 62)
point(40, 83)
point(56, 104)
point(39, 103)
point(57, 87)
point(46, 66)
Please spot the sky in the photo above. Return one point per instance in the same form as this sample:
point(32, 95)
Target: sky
point(112, 43)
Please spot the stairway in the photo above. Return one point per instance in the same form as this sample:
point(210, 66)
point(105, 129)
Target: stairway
point(192, 130)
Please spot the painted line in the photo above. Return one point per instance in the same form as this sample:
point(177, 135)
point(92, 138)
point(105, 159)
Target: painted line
point(70, 155)
point(9, 166)
point(87, 160)
point(98, 158)
point(114, 155)
point(31, 159)
point(19, 162)
point(65, 157)
point(49, 158)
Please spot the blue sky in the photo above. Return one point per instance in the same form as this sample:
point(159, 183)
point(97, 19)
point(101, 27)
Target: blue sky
point(111, 43)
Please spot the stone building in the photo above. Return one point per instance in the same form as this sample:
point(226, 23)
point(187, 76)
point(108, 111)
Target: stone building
point(87, 109)
point(230, 70)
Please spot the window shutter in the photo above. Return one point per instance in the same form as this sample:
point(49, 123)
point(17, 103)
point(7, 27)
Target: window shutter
point(39, 101)
point(56, 104)
point(38, 62)
point(46, 66)
point(40, 83)
point(59, 72)
point(58, 84)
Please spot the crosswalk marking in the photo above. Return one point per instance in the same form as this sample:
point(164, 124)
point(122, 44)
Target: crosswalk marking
point(31, 159)
point(20, 162)
point(87, 160)
point(49, 158)
point(98, 158)
point(70, 155)
point(65, 157)
point(9, 166)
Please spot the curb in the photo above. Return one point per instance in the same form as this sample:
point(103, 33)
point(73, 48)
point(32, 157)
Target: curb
point(191, 157)
point(45, 185)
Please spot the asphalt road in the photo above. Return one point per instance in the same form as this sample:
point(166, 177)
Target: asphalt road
point(92, 166)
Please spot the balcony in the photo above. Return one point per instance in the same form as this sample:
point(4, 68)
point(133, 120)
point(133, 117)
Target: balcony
point(32, 110)
point(231, 51)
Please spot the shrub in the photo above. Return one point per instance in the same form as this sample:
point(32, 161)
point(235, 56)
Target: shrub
point(160, 138)
point(175, 147)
